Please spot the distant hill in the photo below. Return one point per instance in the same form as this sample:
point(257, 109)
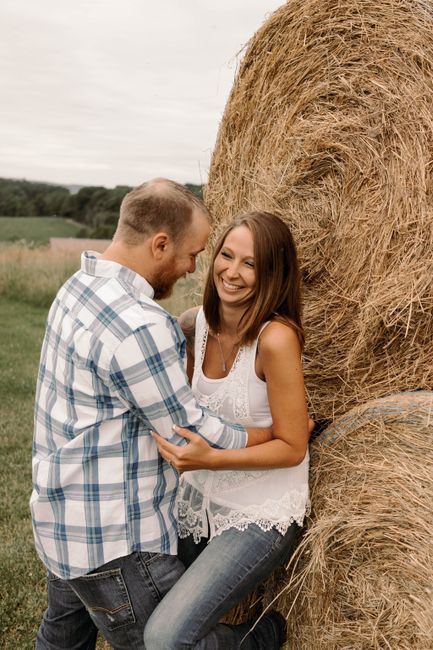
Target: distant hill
point(74, 188)
point(96, 208)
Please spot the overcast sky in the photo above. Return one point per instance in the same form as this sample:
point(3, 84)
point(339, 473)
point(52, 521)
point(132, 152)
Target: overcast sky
point(110, 92)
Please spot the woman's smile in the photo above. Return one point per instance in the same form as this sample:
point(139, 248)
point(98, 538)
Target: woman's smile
point(229, 286)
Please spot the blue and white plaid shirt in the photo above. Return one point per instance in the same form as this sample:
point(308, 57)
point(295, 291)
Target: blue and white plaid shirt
point(112, 369)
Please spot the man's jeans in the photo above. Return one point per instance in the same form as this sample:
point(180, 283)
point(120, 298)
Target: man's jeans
point(225, 571)
point(117, 599)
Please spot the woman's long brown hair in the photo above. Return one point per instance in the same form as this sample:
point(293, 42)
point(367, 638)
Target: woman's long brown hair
point(277, 291)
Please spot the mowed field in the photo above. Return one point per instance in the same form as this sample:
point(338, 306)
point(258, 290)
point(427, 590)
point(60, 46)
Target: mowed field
point(21, 574)
point(36, 229)
point(29, 279)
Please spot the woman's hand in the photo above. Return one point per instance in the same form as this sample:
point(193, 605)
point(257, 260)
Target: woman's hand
point(197, 454)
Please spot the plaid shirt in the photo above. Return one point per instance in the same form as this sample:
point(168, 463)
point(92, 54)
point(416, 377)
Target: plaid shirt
point(112, 369)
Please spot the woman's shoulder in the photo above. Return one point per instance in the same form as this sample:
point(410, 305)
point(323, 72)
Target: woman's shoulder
point(277, 336)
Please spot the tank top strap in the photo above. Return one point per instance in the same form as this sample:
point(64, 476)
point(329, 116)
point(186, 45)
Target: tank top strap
point(201, 331)
point(263, 327)
point(253, 349)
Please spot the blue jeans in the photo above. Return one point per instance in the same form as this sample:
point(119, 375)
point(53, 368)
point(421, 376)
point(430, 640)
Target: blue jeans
point(225, 571)
point(116, 599)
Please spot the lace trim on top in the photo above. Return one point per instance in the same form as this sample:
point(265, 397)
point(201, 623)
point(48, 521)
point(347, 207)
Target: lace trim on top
point(281, 514)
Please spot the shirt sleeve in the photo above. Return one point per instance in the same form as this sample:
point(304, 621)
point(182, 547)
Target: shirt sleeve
point(148, 372)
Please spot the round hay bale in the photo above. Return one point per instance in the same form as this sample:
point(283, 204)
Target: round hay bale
point(330, 124)
point(362, 576)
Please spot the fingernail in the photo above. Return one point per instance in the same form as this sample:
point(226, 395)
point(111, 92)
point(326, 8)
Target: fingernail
point(175, 427)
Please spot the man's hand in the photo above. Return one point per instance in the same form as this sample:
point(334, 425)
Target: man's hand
point(197, 454)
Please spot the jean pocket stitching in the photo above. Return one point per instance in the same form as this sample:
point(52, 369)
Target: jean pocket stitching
point(101, 574)
point(122, 590)
point(97, 608)
point(153, 557)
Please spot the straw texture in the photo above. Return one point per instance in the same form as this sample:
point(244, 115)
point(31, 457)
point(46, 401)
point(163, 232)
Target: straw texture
point(364, 570)
point(330, 124)
point(362, 576)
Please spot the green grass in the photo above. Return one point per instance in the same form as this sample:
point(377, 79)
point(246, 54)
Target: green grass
point(36, 229)
point(22, 583)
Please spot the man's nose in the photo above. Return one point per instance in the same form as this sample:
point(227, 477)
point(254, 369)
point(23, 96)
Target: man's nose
point(192, 266)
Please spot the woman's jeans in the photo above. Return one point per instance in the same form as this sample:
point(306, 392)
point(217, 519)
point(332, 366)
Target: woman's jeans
point(225, 571)
point(117, 599)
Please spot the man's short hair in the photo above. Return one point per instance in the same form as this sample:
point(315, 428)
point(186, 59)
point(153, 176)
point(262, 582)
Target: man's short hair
point(157, 205)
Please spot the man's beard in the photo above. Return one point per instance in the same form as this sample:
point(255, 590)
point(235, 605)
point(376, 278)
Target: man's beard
point(163, 284)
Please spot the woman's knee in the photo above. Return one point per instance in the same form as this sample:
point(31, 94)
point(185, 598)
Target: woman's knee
point(161, 634)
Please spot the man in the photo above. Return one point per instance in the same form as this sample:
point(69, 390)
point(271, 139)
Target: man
point(111, 372)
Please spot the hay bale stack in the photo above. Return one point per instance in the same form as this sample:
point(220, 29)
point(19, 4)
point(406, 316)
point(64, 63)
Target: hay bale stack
point(330, 123)
point(363, 573)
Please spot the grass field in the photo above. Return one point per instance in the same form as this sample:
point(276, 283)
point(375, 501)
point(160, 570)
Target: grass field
point(36, 229)
point(21, 574)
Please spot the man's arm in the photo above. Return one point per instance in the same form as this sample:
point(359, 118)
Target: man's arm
point(148, 374)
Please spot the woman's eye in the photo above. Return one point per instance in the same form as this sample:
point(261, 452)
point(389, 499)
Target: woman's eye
point(249, 264)
point(224, 254)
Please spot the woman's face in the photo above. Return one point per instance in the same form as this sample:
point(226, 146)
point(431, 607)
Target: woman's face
point(233, 272)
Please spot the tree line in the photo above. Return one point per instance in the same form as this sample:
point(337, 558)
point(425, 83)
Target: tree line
point(95, 207)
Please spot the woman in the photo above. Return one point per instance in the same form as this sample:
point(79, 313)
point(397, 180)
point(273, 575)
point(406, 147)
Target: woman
point(245, 364)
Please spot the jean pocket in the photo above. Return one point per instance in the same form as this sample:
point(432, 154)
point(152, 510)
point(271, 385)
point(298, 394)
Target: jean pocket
point(106, 598)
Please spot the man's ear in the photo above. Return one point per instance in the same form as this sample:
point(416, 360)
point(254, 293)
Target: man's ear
point(159, 243)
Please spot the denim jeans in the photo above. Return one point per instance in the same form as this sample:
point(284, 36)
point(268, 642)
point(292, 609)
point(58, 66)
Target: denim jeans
point(225, 571)
point(116, 599)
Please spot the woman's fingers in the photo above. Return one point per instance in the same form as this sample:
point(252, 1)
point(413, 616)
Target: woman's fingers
point(185, 433)
point(195, 455)
point(163, 448)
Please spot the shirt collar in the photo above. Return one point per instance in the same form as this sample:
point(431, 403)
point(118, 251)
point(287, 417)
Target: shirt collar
point(93, 265)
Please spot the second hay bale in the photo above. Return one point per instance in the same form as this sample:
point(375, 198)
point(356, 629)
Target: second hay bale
point(362, 577)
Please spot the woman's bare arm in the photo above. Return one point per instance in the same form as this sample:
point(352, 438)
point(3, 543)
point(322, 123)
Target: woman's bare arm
point(280, 362)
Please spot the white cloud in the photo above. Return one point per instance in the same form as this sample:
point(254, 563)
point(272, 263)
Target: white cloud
point(103, 92)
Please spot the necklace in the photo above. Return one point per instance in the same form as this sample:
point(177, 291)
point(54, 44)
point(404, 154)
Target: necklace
point(224, 359)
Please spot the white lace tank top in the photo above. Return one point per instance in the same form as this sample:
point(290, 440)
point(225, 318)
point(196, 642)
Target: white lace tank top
point(210, 502)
